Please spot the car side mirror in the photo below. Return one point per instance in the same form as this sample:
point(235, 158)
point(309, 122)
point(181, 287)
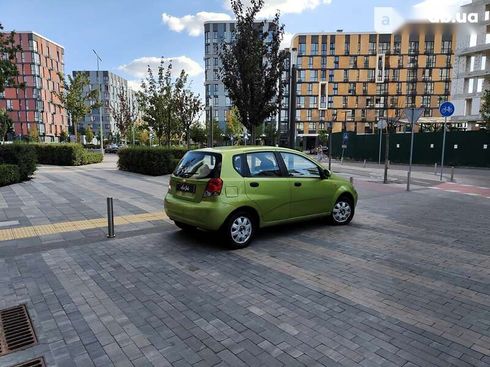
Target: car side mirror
point(326, 173)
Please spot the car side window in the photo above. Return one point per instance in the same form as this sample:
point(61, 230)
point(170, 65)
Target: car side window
point(263, 164)
point(238, 165)
point(298, 166)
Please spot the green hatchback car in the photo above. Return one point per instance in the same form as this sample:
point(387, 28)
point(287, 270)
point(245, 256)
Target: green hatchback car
point(237, 190)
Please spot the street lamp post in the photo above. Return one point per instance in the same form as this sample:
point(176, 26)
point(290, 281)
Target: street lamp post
point(100, 108)
point(292, 100)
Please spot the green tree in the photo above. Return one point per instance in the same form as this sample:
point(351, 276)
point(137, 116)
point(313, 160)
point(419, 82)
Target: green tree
point(485, 108)
point(124, 112)
point(63, 136)
point(143, 136)
point(156, 101)
point(323, 137)
point(77, 98)
point(9, 73)
point(252, 65)
point(33, 133)
point(188, 106)
point(234, 127)
point(198, 133)
point(89, 135)
point(6, 124)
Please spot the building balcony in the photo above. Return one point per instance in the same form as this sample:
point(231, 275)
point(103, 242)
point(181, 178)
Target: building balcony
point(474, 49)
point(474, 73)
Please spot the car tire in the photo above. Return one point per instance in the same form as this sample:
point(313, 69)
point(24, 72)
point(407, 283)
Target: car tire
point(342, 211)
point(185, 227)
point(239, 230)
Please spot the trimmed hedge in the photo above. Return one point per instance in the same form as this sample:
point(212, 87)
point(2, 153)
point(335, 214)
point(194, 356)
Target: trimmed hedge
point(66, 155)
point(149, 161)
point(9, 174)
point(92, 157)
point(21, 155)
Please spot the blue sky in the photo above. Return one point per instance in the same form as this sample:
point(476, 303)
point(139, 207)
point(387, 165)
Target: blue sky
point(129, 34)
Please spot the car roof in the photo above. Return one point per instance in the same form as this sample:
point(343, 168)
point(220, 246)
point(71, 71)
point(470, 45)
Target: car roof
point(246, 149)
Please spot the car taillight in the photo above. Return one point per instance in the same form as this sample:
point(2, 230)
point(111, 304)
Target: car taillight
point(213, 188)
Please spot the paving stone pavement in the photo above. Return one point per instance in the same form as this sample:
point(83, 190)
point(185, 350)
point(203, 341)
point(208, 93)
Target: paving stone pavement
point(406, 284)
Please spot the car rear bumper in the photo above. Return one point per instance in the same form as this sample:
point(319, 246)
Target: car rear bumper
point(209, 215)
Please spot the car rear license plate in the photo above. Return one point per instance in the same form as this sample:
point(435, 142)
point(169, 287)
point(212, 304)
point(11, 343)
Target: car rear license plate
point(185, 187)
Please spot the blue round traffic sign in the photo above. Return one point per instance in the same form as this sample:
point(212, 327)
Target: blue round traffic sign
point(446, 109)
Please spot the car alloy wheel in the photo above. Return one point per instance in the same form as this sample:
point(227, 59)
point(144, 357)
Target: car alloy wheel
point(239, 230)
point(342, 212)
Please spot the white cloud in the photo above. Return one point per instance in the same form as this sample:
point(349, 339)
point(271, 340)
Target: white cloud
point(135, 85)
point(138, 67)
point(286, 41)
point(192, 24)
point(284, 6)
point(437, 9)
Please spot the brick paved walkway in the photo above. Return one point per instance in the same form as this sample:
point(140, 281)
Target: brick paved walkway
point(406, 284)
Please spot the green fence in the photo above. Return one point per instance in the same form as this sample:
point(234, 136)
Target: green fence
point(471, 148)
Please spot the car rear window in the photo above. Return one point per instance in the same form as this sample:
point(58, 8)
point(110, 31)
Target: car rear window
point(199, 165)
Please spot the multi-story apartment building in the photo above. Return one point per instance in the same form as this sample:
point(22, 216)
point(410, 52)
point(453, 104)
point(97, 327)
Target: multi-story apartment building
point(37, 106)
point(216, 32)
point(471, 74)
point(354, 79)
point(109, 85)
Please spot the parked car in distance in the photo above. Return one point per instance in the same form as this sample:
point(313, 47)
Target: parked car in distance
point(111, 148)
point(237, 190)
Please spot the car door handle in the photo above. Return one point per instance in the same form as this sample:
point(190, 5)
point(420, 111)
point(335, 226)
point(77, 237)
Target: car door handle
point(297, 184)
point(254, 184)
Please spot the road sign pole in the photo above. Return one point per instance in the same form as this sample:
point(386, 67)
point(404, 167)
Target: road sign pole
point(380, 140)
point(411, 155)
point(443, 146)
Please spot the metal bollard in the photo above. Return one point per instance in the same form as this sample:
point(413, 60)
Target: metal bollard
point(110, 218)
point(364, 164)
point(452, 174)
point(351, 179)
point(435, 168)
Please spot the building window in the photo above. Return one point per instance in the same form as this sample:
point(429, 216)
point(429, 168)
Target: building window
point(216, 100)
point(336, 62)
point(426, 101)
point(324, 62)
point(300, 102)
point(308, 115)
point(413, 47)
point(346, 75)
point(314, 102)
point(344, 102)
point(310, 62)
point(472, 63)
point(10, 105)
point(447, 47)
point(352, 88)
point(335, 89)
point(324, 48)
point(483, 63)
point(347, 48)
point(314, 48)
point(429, 47)
point(353, 62)
point(372, 48)
point(479, 85)
point(332, 48)
point(302, 75)
point(444, 74)
point(431, 61)
point(302, 49)
point(383, 48)
point(330, 75)
point(473, 39)
point(310, 88)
